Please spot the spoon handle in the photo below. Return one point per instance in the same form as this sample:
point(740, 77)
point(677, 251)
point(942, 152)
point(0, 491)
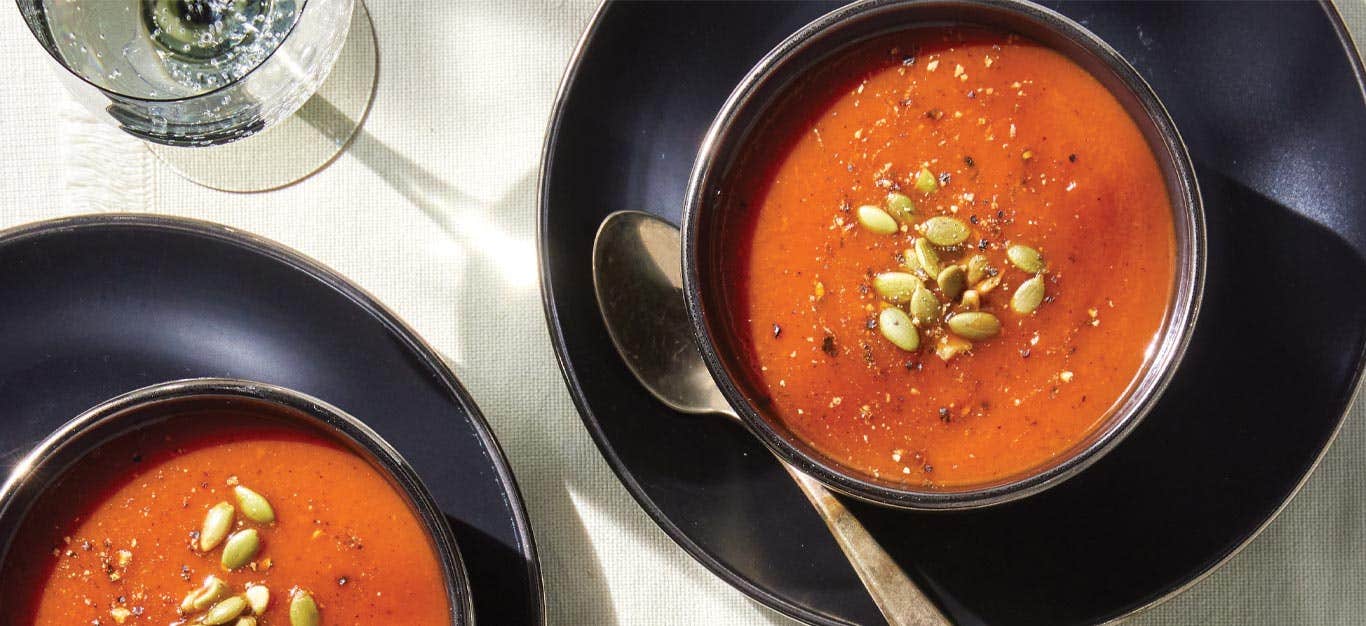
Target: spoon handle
point(899, 599)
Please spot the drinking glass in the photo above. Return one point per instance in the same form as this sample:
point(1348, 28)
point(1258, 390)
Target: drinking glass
point(192, 73)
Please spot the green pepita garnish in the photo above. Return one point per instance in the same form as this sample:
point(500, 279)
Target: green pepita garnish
point(1025, 258)
point(977, 269)
point(925, 181)
point(897, 328)
point(224, 612)
point(254, 505)
point(1028, 296)
point(909, 261)
point(212, 590)
point(945, 231)
point(975, 325)
point(217, 523)
point(258, 598)
point(952, 281)
point(240, 548)
point(876, 220)
point(303, 610)
point(245, 621)
point(971, 300)
point(900, 206)
point(924, 307)
point(895, 287)
point(927, 257)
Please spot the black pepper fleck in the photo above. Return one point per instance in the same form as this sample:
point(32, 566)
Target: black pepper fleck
point(828, 345)
point(777, 330)
point(1072, 158)
point(871, 323)
point(973, 219)
point(969, 162)
point(982, 244)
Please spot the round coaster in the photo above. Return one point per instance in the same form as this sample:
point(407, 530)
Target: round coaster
point(301, 144)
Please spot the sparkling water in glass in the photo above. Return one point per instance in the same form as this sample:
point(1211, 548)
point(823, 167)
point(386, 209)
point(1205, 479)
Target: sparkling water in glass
point(192, 72)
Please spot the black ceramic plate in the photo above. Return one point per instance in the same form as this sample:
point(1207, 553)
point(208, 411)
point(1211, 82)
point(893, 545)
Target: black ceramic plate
point(1269, 98)
point(96, 306)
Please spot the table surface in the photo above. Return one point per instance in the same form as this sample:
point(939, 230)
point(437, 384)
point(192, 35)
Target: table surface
point(433, 209)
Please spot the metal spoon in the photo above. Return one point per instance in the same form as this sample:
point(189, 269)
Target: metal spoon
point(637, 273)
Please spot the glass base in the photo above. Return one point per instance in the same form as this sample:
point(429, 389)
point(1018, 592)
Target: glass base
point(302, 144)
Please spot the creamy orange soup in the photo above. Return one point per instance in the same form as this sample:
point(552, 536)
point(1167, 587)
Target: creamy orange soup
point(119, 539)
point(981, 144)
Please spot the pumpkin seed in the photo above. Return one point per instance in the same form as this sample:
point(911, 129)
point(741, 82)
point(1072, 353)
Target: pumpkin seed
point(909, 261)
point(258, 597)
point(924, 306)
point(254, 505)
point(240, 548)
point(971, 301)
point(303, 610)
point(1025, 258)
point(897, 328)
point(945, 231)
point(950, 346)
point(952, 281)
point(987, 284)
point(224, 612)
point(217, 523)
point(927, 257)
point(876, 220)
point(212, 590)
point(977, 269)
point(1028, 296)
point(925, 181)
point(900, 206)
point(245, 621)
point(975, 325)
point(895, 287)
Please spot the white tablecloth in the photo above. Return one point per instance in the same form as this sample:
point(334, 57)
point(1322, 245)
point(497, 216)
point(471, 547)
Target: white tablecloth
point(433, 211)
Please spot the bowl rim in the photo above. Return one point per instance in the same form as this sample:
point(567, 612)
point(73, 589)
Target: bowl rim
point(142, 404)
point(1169, 344)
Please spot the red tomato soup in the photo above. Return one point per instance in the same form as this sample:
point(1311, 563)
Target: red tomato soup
point(119, 538)
point(951, 250)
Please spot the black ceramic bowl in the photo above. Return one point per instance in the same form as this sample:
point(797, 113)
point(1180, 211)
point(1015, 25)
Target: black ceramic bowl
point(49, 460)
point(704, 220)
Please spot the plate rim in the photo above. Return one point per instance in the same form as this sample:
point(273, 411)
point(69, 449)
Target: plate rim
point(371, 305)
point(1358, 67)
point(671, 529)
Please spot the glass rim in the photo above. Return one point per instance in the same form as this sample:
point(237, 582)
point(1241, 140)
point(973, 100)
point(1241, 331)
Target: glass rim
point(52, 52)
